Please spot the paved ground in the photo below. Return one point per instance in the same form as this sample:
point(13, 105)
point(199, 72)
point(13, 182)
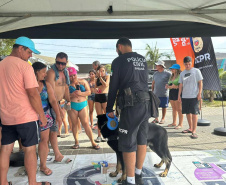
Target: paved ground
point(177, 140)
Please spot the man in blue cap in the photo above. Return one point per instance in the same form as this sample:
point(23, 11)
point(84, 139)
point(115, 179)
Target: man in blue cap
point(20, 108)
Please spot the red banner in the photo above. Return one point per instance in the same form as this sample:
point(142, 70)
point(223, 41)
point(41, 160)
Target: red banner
point(182, 48)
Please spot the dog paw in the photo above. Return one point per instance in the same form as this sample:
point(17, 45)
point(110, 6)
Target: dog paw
point(122, 178)
point(157, 166)
point(163, 174)
point(119, 180)
point(113, 174)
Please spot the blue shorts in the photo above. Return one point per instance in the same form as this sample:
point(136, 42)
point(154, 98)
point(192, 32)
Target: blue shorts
point(164, 102)
point(91, 97)
point(78, 105)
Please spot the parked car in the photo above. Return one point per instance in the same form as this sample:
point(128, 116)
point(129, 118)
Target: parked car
point(150, 77)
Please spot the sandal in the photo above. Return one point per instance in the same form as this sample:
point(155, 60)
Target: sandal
point(96, 147)
point(178, 127)
point(75, 146)
point(186, 131)
point(63, 161)
point(44, 183)
point(171, 125)
point(64, 135)
point(194, 136)
point(162, 122)
point(10, 183)
point(155, 121)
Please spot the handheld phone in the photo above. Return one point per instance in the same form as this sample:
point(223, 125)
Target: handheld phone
point(77, 87)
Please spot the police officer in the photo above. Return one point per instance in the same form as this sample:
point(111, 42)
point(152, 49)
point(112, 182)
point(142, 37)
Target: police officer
point(129, 82)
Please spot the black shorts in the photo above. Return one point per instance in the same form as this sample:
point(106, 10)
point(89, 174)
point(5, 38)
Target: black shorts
point(190, 106)
point(29, 133)
point(173, 94)
point(101, 98)
point(133, 127)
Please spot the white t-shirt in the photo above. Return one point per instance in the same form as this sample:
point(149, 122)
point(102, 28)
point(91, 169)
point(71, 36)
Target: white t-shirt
point(190, 79)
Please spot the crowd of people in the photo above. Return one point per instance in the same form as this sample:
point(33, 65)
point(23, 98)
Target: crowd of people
point(34, 102)
point(175, 87)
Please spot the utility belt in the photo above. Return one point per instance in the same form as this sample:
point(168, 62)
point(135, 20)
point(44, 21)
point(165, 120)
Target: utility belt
point(129, 99)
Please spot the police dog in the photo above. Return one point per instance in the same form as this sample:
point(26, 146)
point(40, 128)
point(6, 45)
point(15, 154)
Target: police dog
point(157, 141)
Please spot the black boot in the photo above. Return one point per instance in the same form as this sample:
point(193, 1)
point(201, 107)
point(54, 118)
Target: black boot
point(138, 179)
point(126, 183)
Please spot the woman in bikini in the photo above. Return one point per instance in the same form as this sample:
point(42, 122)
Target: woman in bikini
point(48, 99)
point(101, 94)
point(91, 97)
point(79, 90)
point(173, 87)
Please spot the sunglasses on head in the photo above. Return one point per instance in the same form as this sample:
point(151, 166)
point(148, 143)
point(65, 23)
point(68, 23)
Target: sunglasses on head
point(61, 63)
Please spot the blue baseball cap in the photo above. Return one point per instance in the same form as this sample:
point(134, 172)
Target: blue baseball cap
point(175, 66)
point(24, 41)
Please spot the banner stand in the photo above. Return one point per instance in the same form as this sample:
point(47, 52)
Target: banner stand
point(203, 122)
point(221, 131)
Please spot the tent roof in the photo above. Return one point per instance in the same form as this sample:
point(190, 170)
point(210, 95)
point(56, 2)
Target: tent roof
point(19, 14)
point(115, 30)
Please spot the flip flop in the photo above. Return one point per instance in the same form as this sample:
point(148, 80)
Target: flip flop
point(64, 135)
point(162, 122)
point(186, 131)
point(178, 127)
point(194, 136)
point(10, 183)
point(171, 125)
point(63, 161)
point(75, 147)
point(46, 173)
point(44, 183)
point(97, 147)
point(155, 121)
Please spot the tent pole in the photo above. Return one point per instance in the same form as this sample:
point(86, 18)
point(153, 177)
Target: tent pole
point(210, 6)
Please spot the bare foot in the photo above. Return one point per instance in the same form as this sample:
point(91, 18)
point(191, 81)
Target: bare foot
point(46, 171)
point(59, 158)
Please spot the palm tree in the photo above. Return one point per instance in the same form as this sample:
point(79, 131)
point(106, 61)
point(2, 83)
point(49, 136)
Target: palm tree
point(153, 55)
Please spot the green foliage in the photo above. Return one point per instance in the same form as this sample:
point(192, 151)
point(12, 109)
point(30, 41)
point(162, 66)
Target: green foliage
point(220, 72)
point(153, 55)
point(6, 46)
point(222, 76)
point(108, 68)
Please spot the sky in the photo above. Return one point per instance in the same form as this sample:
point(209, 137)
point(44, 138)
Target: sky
point(81, 51)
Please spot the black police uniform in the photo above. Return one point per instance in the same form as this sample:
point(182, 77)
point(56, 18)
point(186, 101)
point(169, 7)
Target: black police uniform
point(130, 70)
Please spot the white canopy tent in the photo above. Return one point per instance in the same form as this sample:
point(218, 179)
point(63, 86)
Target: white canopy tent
point(18, 14)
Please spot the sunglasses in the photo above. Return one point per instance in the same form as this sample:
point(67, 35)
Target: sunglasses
point(61, 63)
